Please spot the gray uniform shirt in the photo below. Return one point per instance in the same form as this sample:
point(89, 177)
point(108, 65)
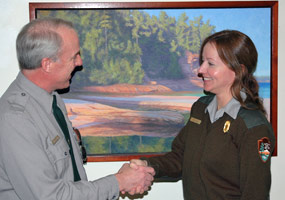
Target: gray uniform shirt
point(34, 157)
point(232, 108)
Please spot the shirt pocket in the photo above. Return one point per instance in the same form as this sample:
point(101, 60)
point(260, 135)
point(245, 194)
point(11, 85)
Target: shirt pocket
point(59, 156)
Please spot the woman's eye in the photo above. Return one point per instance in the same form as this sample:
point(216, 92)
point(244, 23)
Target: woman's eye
point(210, 64)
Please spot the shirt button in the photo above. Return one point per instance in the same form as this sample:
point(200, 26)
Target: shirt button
point(23, 94)
point(65, 153)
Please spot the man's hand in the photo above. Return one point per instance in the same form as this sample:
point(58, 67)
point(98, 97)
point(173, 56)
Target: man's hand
point(134, 180)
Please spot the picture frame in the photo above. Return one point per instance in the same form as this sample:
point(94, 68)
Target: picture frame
point(140, 108)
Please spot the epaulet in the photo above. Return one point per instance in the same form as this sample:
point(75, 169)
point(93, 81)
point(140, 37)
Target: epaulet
point(206, 99)
point(252, 118)
point(18, 101)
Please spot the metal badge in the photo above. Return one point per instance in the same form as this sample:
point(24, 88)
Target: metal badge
point(227, 126)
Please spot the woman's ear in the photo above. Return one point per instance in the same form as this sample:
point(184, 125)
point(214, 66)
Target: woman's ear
point(244, 69)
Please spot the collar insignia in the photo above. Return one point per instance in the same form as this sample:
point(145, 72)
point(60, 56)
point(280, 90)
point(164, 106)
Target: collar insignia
point(195, 120)
point(264, 149)
point(227, 126)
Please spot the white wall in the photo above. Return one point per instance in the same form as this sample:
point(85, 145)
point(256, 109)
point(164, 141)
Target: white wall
point(15, 13)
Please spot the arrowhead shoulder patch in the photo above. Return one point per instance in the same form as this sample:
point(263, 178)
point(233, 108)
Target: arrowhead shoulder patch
point(264, 148)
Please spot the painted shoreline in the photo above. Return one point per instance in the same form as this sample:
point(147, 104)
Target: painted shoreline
point(161, 116)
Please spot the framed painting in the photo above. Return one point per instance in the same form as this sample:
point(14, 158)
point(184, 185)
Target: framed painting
point(140, 60)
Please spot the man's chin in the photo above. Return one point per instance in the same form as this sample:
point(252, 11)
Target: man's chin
point(64, 89)
point(66, 85)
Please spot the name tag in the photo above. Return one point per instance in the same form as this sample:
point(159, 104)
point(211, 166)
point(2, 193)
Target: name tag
point(55, 140)
point(195, 120)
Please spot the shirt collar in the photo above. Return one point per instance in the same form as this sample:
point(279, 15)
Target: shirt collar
point(40, 95)
point(232, 108)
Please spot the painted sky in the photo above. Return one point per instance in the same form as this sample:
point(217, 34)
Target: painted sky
point(255, 22)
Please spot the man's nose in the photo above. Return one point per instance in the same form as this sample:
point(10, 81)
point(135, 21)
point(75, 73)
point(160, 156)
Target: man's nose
point(79, 61)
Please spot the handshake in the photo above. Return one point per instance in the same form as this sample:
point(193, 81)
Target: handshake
point(135, 177)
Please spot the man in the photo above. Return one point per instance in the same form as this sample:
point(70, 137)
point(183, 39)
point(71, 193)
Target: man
point(39, 158)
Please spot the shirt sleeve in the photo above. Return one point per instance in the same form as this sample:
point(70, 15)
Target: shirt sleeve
point(170, 164)
point(30, 172)
point(255, 175)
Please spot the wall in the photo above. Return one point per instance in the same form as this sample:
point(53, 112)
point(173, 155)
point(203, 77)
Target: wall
point(15, 13)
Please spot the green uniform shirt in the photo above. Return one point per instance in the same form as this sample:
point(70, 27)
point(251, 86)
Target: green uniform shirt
point(223, 159)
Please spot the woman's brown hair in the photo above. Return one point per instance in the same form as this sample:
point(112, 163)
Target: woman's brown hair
point(238, 52)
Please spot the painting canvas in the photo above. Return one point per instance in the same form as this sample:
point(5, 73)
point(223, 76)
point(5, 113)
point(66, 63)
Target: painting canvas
point(139, 76)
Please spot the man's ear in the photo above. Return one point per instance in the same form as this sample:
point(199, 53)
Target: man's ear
point(46, 64)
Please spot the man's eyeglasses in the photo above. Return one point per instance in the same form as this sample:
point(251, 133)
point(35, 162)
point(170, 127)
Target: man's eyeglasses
point(81, 145)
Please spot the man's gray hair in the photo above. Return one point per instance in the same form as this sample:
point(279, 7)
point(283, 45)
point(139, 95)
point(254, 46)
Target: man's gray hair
point(39, 39)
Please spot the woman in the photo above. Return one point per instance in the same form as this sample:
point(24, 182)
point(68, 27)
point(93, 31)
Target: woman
point(224, 150)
